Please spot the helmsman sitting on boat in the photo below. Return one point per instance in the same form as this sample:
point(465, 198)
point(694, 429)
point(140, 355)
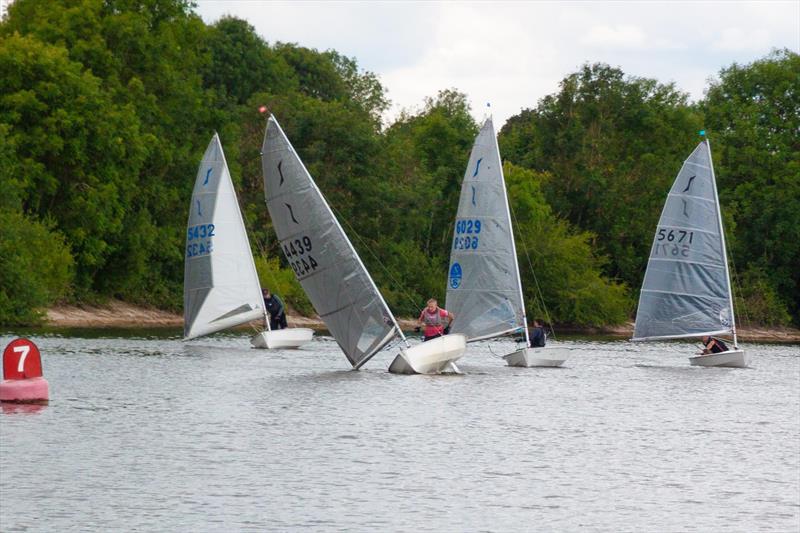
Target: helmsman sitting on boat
point(432, 318)
point(538, 337)
point(274, 306)
point(712, 345)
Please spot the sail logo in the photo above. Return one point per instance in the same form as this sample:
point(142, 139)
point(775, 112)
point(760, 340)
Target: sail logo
point(280, 172)
point(208, 174)
point(455, 276)
point(473, 195)
point(725, 317)
point(291, 214)
point(477, 166)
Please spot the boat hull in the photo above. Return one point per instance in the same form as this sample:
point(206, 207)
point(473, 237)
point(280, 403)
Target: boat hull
point(537, 357)
point(730, 359)
point(282, 338)
point(436, 356)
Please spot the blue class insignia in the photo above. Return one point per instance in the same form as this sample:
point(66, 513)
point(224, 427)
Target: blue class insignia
point(455, 276)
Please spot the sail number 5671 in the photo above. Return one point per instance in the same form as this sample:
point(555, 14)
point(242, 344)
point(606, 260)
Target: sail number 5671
point(675, 236)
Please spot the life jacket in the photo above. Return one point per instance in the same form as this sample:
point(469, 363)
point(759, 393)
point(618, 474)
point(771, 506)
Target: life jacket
point(433, 319)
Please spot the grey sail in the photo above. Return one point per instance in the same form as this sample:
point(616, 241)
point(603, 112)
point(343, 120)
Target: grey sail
point(220, 284)
point(483, 289)
point(323, 259)
point(686, 289)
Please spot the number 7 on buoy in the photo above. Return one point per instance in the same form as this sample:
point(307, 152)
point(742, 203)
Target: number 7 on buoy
point(24, 350)
point(22, 374)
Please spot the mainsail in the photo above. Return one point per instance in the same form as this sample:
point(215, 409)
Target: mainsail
point(686, 289)
point(323, 259)
point(220, 284)
point(484, 290)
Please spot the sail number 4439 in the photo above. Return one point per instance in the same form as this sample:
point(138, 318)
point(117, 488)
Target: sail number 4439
point(298, 253)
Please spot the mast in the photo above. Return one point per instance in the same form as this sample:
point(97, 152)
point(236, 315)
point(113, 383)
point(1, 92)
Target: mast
point(513, 241)
point(722, 238)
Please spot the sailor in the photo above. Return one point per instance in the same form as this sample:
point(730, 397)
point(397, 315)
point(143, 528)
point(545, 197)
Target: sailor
point(433, 318)
point(274, 306)
point(712, 345)
point(538, 338)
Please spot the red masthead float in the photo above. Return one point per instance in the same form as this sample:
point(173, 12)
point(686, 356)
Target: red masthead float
point(22, 374)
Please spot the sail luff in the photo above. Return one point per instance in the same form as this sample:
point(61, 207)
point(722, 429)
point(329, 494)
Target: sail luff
point(335, 279)
point(253, 269)
point(513, 241)
point(221, 287)
point(355, 254)
point(484, 288)
point(722, 239)
point(686, 289)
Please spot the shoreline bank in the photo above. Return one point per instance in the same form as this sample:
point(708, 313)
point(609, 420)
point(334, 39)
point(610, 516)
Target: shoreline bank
point(118, 314)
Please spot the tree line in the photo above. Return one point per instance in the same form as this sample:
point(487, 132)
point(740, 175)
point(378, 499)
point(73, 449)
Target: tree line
point(106, 107)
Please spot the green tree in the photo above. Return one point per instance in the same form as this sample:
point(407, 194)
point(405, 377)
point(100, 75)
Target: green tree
point(752, 114)
point(611, 145)
point(68, 140)
point(562, 263)
point(35, 268)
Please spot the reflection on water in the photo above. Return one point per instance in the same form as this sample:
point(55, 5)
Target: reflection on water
point(144, 432)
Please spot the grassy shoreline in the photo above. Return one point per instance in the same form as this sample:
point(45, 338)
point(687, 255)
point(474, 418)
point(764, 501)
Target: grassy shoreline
point(118, 314)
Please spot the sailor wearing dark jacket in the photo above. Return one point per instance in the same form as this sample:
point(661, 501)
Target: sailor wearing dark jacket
point(274, 306)
point(538, 338)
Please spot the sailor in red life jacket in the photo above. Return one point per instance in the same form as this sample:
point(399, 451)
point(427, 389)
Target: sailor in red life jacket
point(435, 320)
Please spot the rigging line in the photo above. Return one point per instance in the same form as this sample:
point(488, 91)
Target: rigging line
point(536, 281)
point(491, 352)
point(738, 287)
point(369, 249)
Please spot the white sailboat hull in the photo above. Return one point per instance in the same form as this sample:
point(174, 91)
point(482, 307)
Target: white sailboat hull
point(532, 357)
point(731, 359)
point(282, 338)
point(435, 356)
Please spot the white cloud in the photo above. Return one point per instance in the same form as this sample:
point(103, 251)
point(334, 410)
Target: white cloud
point(513, 53)
point(737, 39)
point(615, 36)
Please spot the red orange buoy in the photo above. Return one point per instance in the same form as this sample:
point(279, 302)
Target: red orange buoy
point(22, 373)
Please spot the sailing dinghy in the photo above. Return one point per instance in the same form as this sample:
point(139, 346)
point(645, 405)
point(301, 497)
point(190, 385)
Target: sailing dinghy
point(687, 288)
point(329, 269)
point(221, 288)
point(484, 289)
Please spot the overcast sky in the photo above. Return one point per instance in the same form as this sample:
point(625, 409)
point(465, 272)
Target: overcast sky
point(513, 53)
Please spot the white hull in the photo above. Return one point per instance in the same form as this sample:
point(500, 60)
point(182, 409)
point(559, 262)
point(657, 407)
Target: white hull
point(731, 359)
point(282, 338)
point(433, 357)
point(530, 357)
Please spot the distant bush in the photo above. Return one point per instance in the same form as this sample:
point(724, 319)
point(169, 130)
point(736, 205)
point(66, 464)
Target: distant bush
point(565, 267)
point(757, 301)
point(36, 268)
point(281, 281)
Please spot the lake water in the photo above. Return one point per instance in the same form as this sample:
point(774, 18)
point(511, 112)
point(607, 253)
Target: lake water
point(146, 433)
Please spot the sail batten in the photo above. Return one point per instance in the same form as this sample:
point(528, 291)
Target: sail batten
point(484, 290)
point(320, 254)
point(686, 288)
point(221, 287)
